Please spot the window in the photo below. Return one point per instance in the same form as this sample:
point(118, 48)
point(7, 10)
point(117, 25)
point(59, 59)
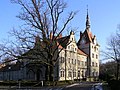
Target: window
point(93, 64)
point(97, 48)
point(68, 60)
point(96, 64)
point(69, 74)
point(72, 61)
point(72, 48)
point(78, 62)
point(94, 49)
point(92, 46)
point(82, 63)
point(68, 54)
point(62, 59)
point(96, 56)
point(78, 73)
point(92, 55)
point(62, 73)
point(83, 74)
point(75, 61)
point(68, 47)
point(72, 39)
point(74, 74)
point(75, 49)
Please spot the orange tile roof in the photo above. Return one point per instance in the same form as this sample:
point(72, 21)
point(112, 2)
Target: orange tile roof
point(81, 52)
point(64, 41)
point(90, 35)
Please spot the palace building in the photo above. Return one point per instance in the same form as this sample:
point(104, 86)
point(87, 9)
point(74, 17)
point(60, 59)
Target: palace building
point(78, 60)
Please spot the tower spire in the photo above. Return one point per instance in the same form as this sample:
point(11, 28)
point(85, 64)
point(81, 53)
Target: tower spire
point(87, 20)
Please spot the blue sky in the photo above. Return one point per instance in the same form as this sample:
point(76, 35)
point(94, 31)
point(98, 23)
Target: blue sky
point(104, 17)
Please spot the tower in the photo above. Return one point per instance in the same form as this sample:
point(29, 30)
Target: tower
point(88, 44)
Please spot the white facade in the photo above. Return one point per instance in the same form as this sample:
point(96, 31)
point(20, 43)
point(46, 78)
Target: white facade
point(88, 43)
point(72, 61)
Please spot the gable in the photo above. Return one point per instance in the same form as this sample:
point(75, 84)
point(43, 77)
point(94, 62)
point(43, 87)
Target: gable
point(86, 37)
point(63, 41)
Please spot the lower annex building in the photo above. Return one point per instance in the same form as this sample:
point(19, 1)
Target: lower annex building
point(78, 60)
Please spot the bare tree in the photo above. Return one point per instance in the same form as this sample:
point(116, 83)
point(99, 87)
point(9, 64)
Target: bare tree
point(43, 20)
point(113, 51)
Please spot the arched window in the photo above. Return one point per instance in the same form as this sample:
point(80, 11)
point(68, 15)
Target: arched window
point(31, 74)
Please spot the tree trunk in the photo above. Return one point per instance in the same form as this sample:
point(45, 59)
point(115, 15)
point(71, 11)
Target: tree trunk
point(50, 69)
point(117, 71)
point(51, 74)
point(47, 73)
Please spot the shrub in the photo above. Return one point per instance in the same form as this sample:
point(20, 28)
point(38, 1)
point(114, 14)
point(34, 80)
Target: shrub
point(114, 84)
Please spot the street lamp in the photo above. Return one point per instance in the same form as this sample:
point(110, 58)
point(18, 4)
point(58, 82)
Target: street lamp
point(9, 72)
point(9, 75)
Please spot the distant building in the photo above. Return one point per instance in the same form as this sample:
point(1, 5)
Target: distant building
point(77, 60)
